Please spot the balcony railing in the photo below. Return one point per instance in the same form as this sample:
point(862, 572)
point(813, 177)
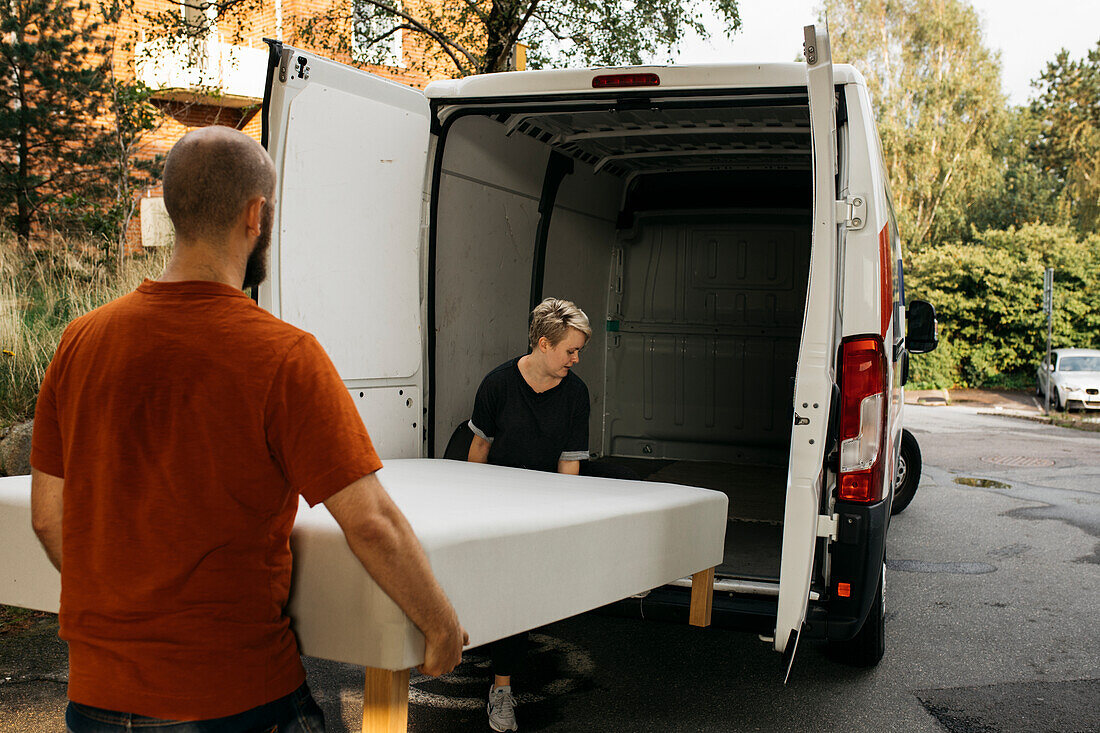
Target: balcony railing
point(191, 69)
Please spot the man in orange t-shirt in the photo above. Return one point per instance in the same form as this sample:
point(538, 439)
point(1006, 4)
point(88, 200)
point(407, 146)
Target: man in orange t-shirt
point(175, 429)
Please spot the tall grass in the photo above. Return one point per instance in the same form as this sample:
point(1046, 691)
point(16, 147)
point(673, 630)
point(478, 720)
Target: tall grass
point(40, 293)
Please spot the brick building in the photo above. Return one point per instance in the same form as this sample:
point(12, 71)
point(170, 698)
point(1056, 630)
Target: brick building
point(219, 79)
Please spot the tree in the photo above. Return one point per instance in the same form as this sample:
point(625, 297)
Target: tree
point(479, 36)
point(131, 117)
point(1067, 107)
point(988, 295)
point(53, 89)
point(69, 127)
point(1023, 192)
point(937, 96)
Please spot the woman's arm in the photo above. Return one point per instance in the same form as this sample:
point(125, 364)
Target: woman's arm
point(571, 467)
point(479, 451)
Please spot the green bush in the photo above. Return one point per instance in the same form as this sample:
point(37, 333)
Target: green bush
point(40, 293)
point(934, 370)
point(988, 299)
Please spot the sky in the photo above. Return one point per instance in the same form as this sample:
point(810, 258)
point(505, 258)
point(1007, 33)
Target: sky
point(1028, 35)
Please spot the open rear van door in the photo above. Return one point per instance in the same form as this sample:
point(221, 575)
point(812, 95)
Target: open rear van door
point(815, 374)
point(351, 153)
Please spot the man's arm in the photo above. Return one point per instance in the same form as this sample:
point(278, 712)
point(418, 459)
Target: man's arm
point(46, 511)
point(479, 450)
point(382, 539)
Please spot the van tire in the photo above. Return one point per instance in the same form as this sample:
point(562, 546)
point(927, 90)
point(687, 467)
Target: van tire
point(867, 647)
point(908, 475)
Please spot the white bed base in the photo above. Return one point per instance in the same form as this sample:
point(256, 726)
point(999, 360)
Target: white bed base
point(513, 549)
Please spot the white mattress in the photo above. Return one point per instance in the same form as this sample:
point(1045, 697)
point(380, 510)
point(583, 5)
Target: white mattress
point(513, 549)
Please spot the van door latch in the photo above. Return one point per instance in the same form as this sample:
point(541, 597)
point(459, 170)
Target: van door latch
point(827, 525)
point(284, 64)
point(302, 68)
point(852, 211)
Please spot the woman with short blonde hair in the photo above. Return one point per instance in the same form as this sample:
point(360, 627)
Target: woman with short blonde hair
point(532, 412)
point(552, 318)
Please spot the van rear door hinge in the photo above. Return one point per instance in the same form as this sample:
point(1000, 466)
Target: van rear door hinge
point(852, 211)
point(827, 525)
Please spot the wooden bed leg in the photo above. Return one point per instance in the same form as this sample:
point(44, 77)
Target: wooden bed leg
point(702, 597)
point(386, 701)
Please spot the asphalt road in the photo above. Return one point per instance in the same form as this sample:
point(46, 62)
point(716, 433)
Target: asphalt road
point(991, 594)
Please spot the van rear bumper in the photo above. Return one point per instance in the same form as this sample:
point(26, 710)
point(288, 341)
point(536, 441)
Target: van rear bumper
point(857, 558)
point(861, 536)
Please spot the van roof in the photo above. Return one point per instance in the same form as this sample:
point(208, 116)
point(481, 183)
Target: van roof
point(686, 76)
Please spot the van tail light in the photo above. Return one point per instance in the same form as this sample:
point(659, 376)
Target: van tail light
point(604, 81)
point(862, 418)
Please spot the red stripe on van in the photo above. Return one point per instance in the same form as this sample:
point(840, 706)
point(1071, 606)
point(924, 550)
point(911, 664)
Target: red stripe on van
point(886, 277)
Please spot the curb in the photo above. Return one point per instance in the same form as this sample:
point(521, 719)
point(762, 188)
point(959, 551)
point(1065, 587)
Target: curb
point(1018, 415)
point(1083, 426)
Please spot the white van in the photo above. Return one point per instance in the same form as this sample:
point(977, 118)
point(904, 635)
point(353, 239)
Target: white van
point(727, 228)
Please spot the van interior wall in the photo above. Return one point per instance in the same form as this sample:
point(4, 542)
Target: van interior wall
point(578, 264)
point(485, 227)
point(708, 327)
point(704, 333)
point(485, 237)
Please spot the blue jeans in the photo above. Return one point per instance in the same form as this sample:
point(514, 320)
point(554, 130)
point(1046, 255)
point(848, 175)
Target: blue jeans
point(295, 713)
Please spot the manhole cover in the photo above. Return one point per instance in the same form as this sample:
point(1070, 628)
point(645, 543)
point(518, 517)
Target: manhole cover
point(1018, 461)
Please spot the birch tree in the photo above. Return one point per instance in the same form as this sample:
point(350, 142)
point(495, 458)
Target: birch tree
point(936, 90)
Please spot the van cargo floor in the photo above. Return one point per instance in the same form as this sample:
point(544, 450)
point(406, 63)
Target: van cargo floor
point(754, 530)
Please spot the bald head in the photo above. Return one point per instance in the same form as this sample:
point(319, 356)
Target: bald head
point(209, 177)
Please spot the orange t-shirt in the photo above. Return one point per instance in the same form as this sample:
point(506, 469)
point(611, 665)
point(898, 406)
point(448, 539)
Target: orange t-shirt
point(186, 420)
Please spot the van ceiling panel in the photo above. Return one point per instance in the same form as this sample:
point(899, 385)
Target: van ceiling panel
point(645, 140)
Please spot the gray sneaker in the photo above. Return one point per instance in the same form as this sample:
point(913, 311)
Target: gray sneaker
point(502, 709)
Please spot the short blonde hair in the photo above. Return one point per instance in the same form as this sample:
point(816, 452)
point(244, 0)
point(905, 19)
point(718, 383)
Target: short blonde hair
point(552, 319)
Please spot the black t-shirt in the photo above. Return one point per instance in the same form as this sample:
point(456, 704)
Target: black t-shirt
point(529, 429)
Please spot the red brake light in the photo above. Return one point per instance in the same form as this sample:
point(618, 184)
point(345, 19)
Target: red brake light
point(862, 418)
point(625, 80)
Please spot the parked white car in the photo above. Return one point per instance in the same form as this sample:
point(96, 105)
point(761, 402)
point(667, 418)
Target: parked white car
point(1074, 378)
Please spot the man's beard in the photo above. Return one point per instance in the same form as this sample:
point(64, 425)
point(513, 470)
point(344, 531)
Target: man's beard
point(255, 270)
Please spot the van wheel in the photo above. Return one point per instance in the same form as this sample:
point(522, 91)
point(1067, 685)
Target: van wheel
point(908, 476)
point(866, 648)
